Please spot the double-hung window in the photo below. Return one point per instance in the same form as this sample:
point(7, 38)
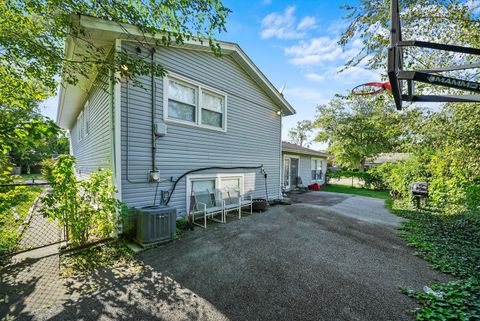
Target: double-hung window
point(190, 102)
point(213, 110)
point(83, 123)
point(316, 169)
point(86, 112)
point(80, 129)
point(182, 101)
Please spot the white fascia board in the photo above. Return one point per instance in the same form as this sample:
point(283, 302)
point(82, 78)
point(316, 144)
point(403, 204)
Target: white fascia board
point(68, 52)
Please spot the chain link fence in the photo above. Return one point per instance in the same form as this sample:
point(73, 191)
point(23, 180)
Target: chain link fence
point(23, 227)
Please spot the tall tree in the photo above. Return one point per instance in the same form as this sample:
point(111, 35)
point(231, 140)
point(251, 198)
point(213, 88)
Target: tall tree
point(32, 57)
point(452, 22)
point(27, 156)
point(300, 134)
point(354, 132)
point(33, 33)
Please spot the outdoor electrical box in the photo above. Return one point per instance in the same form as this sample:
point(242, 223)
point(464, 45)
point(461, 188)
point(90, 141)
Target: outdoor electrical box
point(155, 223)
point(160, 129)
point(154, 176)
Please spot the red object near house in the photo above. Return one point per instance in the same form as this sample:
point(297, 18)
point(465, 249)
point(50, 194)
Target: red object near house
point(314, 187)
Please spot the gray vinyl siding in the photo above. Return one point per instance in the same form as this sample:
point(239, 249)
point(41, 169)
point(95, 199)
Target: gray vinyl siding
point(305, 167)
point(95, 149)
point(252, 137)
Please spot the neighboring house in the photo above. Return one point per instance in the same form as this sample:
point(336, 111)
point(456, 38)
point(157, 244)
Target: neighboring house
point(385, 158)
point(302, 166)
point(207, 112)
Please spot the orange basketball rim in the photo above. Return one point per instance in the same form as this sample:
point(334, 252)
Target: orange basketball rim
point(371, 88)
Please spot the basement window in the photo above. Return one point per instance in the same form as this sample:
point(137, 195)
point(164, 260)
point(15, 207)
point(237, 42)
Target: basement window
point(210, 182)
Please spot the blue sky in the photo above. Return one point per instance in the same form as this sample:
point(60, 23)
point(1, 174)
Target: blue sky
point(294, 44)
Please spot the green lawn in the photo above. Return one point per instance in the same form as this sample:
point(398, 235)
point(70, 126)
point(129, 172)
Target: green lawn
point(354, 190)
point(28, 177)
point(15, 204)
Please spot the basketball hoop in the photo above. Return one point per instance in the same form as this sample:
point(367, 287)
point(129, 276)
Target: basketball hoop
point(361, 95)
point(371, 88)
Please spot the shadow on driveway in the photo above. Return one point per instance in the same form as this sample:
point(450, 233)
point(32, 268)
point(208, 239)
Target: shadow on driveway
point(296, 262)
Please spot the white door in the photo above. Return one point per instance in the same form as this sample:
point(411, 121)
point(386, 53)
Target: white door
point(290, 172)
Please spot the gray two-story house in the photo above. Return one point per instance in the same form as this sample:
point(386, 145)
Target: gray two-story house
point(220, 116)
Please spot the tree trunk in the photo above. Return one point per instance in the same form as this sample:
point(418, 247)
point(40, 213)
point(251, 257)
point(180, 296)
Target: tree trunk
point(362, 166)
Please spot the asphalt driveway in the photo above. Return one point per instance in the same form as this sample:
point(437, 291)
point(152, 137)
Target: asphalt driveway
point(296, 262)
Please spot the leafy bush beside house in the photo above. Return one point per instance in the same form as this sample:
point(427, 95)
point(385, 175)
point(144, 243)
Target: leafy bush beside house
point(88, 208)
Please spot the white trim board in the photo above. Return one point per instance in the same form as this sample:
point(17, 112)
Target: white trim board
point(217, 176)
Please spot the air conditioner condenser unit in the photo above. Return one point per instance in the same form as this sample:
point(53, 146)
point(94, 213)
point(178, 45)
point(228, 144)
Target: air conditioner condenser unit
point(155, 223)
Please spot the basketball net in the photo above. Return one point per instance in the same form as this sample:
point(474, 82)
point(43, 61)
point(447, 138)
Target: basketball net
point(364, 104)
point(363, 96)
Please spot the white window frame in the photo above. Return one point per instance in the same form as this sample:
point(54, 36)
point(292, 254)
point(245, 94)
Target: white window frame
point(290, 156)
point(218, 183)
point(80, 126)
point(199, 88)
point(86, 121)
point(319, 167)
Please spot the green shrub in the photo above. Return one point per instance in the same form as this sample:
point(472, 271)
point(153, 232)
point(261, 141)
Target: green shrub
point(47, 169)
point(398, 176)
point(88, 208)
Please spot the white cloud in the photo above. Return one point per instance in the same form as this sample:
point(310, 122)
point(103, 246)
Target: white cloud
point(266, 2)
point(338, 26)
point(314, 77)
point(354, 75)
point(311, 95)
point(474, 5)
point(314, 51)
point(317, 51)
point(306, 23)
point(282, 25)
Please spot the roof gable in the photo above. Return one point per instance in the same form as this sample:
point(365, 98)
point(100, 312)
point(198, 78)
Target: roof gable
point(106, 34)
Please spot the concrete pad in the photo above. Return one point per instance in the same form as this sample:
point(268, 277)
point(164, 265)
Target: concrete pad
point(368, 209)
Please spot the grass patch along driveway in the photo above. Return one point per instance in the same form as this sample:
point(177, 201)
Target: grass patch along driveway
point(345, 189)
point(297, 262)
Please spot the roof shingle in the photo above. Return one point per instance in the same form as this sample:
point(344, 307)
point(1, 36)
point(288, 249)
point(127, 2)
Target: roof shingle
point(296, 149)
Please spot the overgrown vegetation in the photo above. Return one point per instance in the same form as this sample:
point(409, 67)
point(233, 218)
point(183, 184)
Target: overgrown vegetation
point(451, 243)
point(444, 144)
point(88, 208)
point(15, 203)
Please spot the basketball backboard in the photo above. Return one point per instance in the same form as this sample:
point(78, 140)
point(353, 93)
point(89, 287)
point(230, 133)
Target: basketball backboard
point(403, 81)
